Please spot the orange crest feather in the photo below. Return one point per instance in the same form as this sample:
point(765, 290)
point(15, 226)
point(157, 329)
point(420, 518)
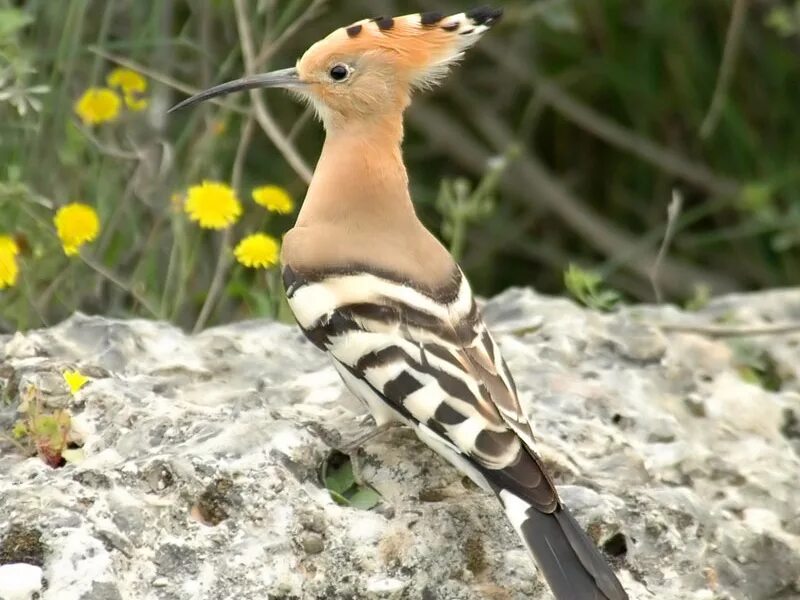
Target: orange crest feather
point(420, 46)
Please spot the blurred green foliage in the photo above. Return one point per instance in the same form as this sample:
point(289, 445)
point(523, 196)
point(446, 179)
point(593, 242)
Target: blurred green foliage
point(587, 288)
point(596, 104)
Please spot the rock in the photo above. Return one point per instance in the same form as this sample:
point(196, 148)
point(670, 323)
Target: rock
point(22, 544)
point(312, 543)
point(387, 587)
point(102, 591)
point(20, 581)
point(201, 476)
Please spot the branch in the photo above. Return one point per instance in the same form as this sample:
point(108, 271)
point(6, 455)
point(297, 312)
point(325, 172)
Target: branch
point(733, 43)
point(113, 278)
point(530, 182)
point(722, 331)
point(604, 128)
point(673, 212)
point(269, 49)
point(164, 79)
point(262, 114)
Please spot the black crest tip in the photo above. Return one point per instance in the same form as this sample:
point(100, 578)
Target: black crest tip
point(430, 18)
point(485, 15)
point(384, 23)
point(354, 30)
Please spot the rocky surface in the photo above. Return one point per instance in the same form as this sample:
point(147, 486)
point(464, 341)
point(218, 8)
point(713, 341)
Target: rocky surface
point(681, 454)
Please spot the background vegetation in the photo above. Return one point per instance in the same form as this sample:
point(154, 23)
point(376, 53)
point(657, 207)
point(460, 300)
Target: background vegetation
point(599, 111)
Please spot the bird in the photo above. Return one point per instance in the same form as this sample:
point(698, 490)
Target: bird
point(374, 289)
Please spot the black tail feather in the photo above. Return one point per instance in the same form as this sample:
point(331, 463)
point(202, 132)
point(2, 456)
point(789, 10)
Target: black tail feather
point(590, 556)
point(572, 565)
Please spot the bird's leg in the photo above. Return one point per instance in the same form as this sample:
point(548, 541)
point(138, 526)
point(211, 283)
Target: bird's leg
point(356, 444)
point(353, 447)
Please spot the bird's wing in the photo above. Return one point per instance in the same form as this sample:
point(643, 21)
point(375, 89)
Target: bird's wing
point(429, 358)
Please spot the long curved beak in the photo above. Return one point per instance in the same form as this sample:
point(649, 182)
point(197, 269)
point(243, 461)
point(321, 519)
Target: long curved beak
point(285, 78)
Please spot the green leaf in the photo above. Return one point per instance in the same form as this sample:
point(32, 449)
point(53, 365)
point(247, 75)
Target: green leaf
point(337, 475)
point(237, 288)
point(71, 153)
point(263, 304)
point(51, 430)
point(19, 431)
point(782, 20)
point(749, 375)
point(364, 498)
point(340, 479)
point(12, 20)
point(758, 366)
point(338, 498)
point(13, 173)
point(700, 298)
point(585, 286)
point(46, 426)
point(755, 198)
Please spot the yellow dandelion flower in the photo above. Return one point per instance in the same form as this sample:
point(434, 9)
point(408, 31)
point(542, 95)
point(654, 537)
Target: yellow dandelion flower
point(76, 225)
point(213, 205)
point(274, 198)
point(75, 380)
point(258, 251)
point(9, 270)
point(135, 103)
point(98, 105)
point(132, 85)
point(129, 81)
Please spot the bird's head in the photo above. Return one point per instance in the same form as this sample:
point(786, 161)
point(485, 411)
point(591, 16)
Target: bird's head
point(371, 67)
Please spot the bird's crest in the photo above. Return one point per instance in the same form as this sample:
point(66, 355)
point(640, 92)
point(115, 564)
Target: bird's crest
point(370, 67)
point(420, 46)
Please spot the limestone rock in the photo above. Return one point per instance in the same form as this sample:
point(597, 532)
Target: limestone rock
point(679, 453)
point(20, 581)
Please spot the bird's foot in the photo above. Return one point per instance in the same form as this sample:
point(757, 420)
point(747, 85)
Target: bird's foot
point(354, 445)
point(353, 448)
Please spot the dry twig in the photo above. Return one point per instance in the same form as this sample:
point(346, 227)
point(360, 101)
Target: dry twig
point(733, 43)
point(607, 130)
point(268, 50)
point(113, 278)
point(263, 116)
point(722, 331)
point(163, 78)
point(531, 183)
point(673, 212)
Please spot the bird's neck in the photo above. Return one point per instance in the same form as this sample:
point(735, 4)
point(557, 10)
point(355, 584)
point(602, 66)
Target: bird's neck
point(358, 212)
point(360, 176)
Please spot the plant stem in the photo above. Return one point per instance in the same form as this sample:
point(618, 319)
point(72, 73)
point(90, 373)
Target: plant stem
point(223, 262)
point(101, 270)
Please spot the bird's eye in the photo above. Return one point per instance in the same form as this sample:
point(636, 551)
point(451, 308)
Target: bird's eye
point(339, 72)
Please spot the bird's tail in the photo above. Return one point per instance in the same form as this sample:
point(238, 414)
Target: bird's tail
point(569, 560)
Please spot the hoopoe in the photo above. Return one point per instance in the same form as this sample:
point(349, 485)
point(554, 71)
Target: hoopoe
point(373, 288)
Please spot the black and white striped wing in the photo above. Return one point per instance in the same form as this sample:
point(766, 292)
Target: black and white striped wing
point(429, 361)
